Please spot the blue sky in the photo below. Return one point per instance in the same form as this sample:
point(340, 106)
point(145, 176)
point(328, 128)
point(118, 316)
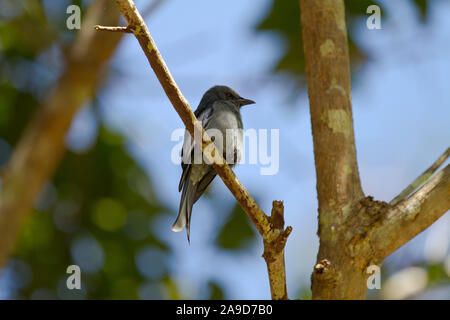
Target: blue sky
point(401, 109)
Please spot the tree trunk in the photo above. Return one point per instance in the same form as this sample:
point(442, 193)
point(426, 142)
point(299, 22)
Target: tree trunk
point(338, 184)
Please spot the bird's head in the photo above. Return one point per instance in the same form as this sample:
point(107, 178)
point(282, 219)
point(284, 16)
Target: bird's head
point(218, 93)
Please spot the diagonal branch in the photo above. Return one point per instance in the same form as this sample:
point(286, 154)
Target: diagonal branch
point(411, 216)
point(269, 232)
point(427, 174)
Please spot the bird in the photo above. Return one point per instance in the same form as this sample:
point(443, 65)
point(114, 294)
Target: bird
point(219, 109)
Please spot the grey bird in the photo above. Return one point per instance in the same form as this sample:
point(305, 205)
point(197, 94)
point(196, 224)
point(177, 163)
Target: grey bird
point(219, 109)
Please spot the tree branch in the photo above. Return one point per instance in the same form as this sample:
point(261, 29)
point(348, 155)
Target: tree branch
point(274, 253)
point(262, 222)
point(413, 215)
point(113, 29)
point(424, 177)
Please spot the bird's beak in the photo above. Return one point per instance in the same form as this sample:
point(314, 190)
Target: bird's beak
point(244, 102)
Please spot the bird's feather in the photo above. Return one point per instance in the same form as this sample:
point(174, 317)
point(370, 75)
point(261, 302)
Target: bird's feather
point(204, 183)
point(188, 146)
point(185, 210)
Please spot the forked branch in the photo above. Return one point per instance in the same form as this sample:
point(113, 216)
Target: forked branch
point(354, 230)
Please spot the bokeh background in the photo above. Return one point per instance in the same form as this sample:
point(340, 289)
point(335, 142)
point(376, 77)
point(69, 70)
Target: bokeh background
point(111, 202)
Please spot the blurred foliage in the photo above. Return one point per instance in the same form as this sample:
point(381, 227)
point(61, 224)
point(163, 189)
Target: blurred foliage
point(437, 274)
point(97, 209)
point(305, 293)
point(216, 292)
point(283, 19)
point(437, 277)
point(15, 33)
point(422, 5)
point(237, 233)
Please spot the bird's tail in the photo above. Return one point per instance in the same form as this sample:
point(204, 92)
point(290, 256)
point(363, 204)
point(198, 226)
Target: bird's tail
point(184, 213)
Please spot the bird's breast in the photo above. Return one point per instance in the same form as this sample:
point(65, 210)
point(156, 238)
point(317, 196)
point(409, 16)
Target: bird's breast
point(226, 131)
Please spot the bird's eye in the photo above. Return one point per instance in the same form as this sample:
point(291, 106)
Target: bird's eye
point(229, 95)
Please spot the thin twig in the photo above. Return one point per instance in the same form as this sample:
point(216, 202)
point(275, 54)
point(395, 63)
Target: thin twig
point(424, 177)
point(151, 8)
point(269, 232)
point(113, 29)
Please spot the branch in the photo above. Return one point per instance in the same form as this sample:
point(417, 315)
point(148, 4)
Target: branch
point(262, 222)
point(413, 215)
point(113, 29)
point(274, 254)
point(424, 177)
point(137, 25)
point(152, 7)
point(41, 146)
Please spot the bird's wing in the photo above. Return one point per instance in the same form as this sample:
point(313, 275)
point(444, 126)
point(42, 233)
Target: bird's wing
point(204, 183)
point(218, 121)
point(203, 115)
